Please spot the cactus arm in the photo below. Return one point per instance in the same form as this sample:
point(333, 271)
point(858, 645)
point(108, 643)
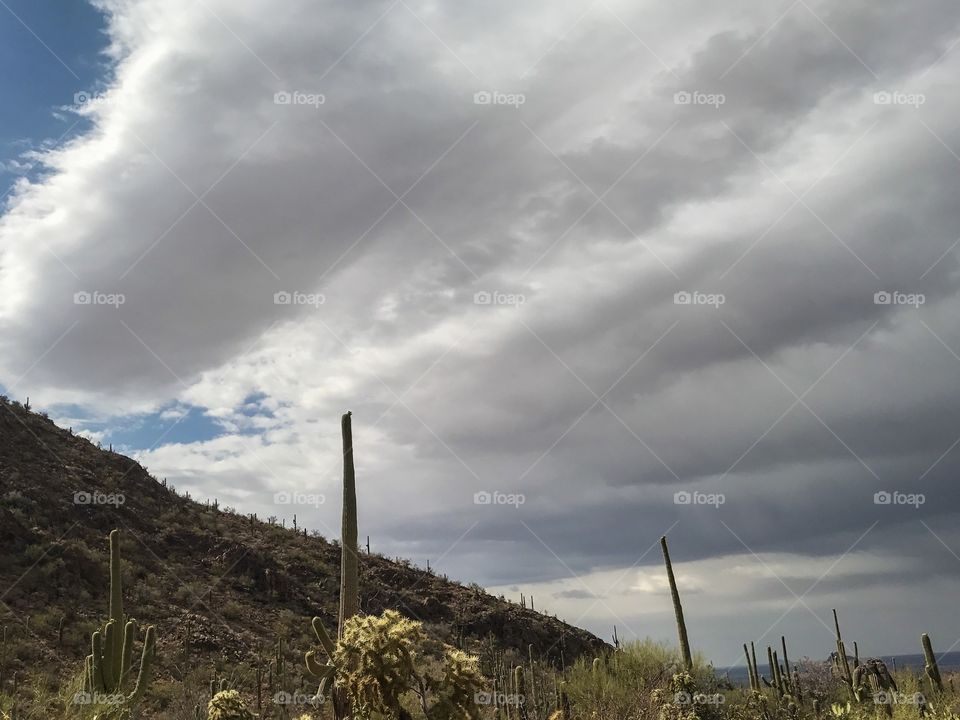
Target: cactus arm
point(146, 665)
point(109, 671)
point(126, 656)
point(321, 632)
point(88, 684)
point(315, 668)
point(326, 683)
point(96, 669)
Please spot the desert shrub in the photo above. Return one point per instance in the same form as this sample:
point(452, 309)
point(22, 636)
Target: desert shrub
point(819, 682)
point(232, 610)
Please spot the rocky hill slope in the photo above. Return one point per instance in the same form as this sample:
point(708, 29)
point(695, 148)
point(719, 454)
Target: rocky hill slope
point(220, 587)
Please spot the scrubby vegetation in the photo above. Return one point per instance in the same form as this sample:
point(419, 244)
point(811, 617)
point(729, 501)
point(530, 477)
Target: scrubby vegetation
point(384, 665)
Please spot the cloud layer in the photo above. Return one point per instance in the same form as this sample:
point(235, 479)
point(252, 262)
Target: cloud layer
point(477, 229)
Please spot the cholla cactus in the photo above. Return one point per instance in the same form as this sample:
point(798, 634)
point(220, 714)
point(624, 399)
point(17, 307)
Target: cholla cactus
point(382, 660)
point(458, 686)
point(375, 660)
point(227, 705)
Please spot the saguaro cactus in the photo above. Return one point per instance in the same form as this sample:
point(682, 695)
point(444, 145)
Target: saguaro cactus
point(520, 687)
point(843, 665)
point(931, 667)
point(751, 670)
point(108, 667)
point(349, 581)
point(677, 609)
point(349, 561)
point(787, 675)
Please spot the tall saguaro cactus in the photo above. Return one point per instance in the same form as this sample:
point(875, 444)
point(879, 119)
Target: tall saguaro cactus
point(349, 582)
point(930, 663)
point(349, 560)
point(677, 609)
point(843, 664)
point(109, 665)
point(787, 675)
point(751, 670)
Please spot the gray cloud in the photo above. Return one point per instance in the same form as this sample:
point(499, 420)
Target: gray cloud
point(595, 201)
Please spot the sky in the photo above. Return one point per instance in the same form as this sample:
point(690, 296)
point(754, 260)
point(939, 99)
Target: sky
point(586, 273)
